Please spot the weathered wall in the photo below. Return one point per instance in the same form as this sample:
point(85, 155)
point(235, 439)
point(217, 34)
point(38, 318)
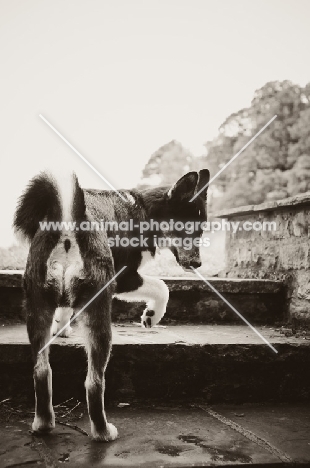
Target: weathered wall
point(283, 254)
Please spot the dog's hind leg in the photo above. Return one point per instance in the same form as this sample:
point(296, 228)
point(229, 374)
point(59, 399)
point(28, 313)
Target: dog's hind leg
point(39, 321)
point(96, 320)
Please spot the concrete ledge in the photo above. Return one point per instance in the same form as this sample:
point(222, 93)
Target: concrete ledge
point(14, 279)
point(191, 301)
point(215, 363)
point(293, 202)
point(224, 285)
point(11, 278)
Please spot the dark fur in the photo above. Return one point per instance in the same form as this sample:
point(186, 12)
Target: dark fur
point(44, 279)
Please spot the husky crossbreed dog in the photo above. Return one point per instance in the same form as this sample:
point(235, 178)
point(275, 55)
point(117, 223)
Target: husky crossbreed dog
point(66, 268)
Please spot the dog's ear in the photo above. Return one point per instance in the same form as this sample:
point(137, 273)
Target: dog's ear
point(203, 183)
point(184, 188)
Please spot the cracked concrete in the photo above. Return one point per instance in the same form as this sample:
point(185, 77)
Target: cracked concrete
point(171, 436)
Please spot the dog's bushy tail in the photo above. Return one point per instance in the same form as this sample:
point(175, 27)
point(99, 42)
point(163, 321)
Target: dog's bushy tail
point(48, 197)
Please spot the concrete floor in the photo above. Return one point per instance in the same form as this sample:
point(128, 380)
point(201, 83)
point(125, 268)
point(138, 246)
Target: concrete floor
point(156, 437)
point(187, 334)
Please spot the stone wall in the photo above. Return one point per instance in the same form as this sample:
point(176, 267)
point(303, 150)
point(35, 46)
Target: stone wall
point(282, 254)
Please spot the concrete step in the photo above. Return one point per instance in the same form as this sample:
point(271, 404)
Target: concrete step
point(262, 302)
point(216, 363)
point(162, 436)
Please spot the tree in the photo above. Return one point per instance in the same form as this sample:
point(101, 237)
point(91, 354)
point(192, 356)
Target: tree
point(276, 164)
point(167, 165)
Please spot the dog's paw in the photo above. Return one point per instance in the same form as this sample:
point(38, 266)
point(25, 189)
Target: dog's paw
point(112, 432)
point(148, 319)
point(66, 332)
point(56, 326)
point(61, 321)
point(108, 435)
point(43, 426)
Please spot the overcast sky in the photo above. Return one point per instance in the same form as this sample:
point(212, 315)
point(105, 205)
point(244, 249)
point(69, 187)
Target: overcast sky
point(121, 78)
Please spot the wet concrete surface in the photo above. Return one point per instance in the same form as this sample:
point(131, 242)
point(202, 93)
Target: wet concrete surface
point(156, 437)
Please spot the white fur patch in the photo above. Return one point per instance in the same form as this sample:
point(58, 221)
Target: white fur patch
point(65, 185)
point(63, 266)
point(62, 319)
point(71, 260)
point(154, 292)
point(108, 435)
point(146, 258)
point(41, 425)
point(152, 289)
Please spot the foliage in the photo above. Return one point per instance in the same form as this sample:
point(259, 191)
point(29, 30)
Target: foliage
point(277, 163)
point(13, 257)
point(167, 165)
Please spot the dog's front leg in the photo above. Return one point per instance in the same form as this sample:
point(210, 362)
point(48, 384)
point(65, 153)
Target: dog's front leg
point(39, 320)
point(135, 287)
point(157, 293)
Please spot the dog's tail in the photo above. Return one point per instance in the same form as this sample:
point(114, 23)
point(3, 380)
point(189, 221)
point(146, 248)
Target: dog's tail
point(48, 198)
point(48, 206)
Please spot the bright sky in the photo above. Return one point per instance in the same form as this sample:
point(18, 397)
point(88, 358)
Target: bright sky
point(120, 78)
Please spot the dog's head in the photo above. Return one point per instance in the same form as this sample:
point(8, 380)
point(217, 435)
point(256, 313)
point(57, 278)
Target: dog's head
point(175, 204)
point(191, 214)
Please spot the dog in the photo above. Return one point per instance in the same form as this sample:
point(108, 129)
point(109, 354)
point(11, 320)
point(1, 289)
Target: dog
point(66, 268)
